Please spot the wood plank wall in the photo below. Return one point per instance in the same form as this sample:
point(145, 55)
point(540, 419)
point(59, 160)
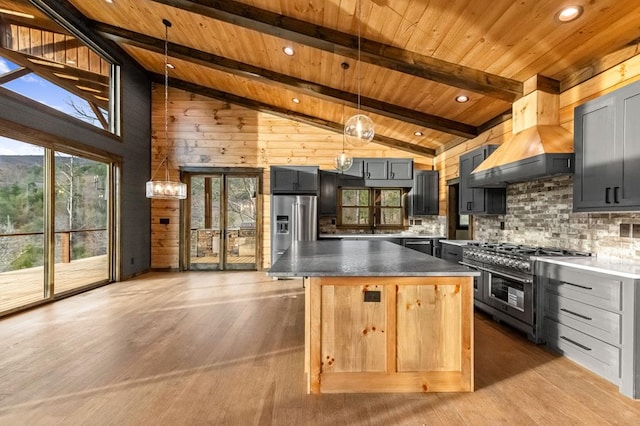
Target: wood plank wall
point(55, 47)
point(204, 132)
point(614, 78)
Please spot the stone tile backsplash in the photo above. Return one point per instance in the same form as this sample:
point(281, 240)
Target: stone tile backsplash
point(540, 213)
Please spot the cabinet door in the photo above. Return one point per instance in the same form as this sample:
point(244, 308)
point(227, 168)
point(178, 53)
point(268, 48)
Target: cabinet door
point(307, 181)
point(595, 154)
point(629, 106)
point(471, 199)
point(375, 169)
point(424, 196)
point(283, 179)
point(356, 170)
point(401, 169)
point(328, 192)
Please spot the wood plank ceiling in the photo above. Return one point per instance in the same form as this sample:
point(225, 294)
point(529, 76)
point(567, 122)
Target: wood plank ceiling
point(416, 56)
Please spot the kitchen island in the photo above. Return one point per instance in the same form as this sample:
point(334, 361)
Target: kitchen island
point(382, 318)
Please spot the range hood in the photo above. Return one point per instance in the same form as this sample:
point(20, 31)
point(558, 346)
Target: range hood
point(539, 147)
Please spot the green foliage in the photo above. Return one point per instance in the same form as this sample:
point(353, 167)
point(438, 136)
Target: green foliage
point(29, 257)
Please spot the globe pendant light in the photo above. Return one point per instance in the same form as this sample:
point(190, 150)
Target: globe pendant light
point(359, 128)
point(166, 189)
point(342, 162)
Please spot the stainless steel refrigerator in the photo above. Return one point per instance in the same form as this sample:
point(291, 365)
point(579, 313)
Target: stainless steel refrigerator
point(293, 218)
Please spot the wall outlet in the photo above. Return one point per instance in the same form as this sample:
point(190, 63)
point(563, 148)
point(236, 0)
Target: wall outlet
point(625, 230)
point(502, 225)
point(164, 221)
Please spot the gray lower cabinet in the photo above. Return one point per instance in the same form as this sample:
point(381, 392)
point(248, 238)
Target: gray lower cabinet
point(424, 197)
point(591, 318)
point(451, 252)
point(479, 201)
point(607, 152)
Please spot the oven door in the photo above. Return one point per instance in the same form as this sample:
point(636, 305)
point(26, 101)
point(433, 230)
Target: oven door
point(511, 294)
point(478, 282)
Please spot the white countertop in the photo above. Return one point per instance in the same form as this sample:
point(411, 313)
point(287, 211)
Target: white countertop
point(626, 269)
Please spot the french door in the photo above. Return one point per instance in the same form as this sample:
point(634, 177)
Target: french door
point(223, 213)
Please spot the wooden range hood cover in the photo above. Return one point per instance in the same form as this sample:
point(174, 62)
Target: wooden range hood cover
point(539, 147)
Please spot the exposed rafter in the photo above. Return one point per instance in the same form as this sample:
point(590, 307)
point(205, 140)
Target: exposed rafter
point(270, 77)
point(303, 118)
point(14, 74)
point(344, 44)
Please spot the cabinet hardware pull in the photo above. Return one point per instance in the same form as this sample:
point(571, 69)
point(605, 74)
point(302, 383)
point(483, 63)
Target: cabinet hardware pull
point(576, 285)
point(607, 192)
point(468, 205)
point(616, 198)
point(392, 175)
point(576, 314)
point(586, 348)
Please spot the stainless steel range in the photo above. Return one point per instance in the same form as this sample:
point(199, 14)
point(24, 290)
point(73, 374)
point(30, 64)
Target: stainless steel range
point(507, 286)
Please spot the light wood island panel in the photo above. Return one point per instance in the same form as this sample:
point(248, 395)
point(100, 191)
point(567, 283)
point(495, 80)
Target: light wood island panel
point(418, 338)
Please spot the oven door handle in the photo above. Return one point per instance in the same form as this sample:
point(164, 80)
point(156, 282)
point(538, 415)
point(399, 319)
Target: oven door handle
point(511, 277)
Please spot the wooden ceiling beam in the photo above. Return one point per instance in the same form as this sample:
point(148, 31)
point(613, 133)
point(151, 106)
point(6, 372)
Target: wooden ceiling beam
point(286, 81)
point(14, 74)
point(345, 44)
point(282, 112)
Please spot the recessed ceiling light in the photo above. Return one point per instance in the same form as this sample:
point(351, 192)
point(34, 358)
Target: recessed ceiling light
point(45, 63)
point(462, 99)
point(16, 13)
point(171, 66)
point(66, 76)
point(418, 133)
point(295, 100)
point(569, 13)
point(288, 50)
point(109, 1)
point(88, 89)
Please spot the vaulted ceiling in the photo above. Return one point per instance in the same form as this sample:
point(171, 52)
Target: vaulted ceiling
point(416, 56)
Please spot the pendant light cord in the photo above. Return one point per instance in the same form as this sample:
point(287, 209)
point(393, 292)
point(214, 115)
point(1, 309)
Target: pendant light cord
point(167, 24)
point(359, 24)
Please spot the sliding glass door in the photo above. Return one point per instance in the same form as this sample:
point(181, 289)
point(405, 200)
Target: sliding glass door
point(222, 223)
point(54, 223)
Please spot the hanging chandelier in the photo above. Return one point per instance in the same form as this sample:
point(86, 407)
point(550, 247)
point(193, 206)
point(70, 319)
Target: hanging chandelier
point(166, 189)
point(358, 129)
point(342, 162)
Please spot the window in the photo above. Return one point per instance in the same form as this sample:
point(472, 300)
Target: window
point(44, 62)
point(371, 208)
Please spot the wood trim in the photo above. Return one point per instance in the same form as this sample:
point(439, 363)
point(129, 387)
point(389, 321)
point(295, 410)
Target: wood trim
point(285, 113)
point(315, 335)
point(436, 381)
point(392, 327)
point(344, 44)
point(263, 75)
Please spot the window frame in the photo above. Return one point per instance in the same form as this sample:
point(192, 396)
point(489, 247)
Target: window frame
point(374, 209)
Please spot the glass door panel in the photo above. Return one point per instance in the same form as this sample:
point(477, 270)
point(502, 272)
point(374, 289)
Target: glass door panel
point(240, 203)
point(21, 224)
point(81, 222)
point(205, 225)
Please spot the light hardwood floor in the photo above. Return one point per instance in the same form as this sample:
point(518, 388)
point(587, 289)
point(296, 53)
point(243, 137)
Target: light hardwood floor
point(226, 348)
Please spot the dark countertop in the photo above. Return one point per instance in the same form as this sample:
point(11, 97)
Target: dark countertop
point(627, 269)
point(338, 258)
point(380, 236)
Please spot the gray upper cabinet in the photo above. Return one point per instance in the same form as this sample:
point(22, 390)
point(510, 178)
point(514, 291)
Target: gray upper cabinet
point(294, 180)
point(479, 201)
point(388, 168)
point(607, 152)
point(356, 170)
point(424, 196)
point(400, 169)
point(376, 169)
